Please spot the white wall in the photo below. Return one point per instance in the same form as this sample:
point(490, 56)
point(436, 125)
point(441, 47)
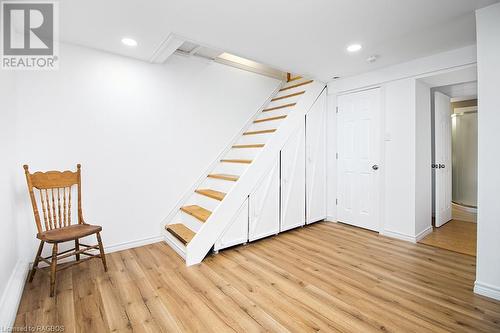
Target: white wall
point(488, 64)
point(9, 277)
point(423, 158)
point(143, 133)
point(399, 165)
point(405, 193)
point(331, 162)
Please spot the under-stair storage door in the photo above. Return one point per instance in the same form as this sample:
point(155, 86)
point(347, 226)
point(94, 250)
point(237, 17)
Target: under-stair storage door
point(265, 205)
point(237, 233)
point(316, 161)
point(293, 181)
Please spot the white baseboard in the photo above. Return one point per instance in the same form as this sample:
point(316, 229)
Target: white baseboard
point(331, 219)
point(398, 235)
point(423, 233)
point(175, 245)
point(487, 290)
point(131, 244)
point(12, 293)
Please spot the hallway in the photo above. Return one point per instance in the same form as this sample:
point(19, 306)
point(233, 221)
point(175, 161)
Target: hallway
point(457, 236)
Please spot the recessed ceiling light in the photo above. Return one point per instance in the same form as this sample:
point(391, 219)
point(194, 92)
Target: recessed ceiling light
point(354, 48)
point(129, 41)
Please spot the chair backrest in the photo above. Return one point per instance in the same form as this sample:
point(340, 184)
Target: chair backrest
point(54, 191)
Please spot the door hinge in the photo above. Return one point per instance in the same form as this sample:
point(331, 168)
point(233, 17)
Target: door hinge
point(337, 109)
point(337, 156)
point(336, 202)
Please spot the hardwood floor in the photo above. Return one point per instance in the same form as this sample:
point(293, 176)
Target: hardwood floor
point(325, 277)
point(462, 213)
point(457, 236)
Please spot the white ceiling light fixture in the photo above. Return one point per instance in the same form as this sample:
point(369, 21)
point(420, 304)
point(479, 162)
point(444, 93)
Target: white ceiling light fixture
point(129, 41)
point(372, 59)
point(354, 47)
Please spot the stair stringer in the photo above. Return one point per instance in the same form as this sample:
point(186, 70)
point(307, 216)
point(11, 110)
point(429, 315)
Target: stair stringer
point(222, 216)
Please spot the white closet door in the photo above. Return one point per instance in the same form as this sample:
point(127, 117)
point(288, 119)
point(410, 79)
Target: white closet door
point(265, 205)
point(293, 181)
point(237, 233)
point(442, 161)
point(358, 130)
point(316, 161)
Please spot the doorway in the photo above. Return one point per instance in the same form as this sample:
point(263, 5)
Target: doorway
point(454, 167)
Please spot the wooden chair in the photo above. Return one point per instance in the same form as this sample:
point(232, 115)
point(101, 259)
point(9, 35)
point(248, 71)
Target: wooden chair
point(54, 190)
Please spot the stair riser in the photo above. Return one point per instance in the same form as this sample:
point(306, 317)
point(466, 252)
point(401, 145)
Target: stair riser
point(202, 201)
point(265, 125)
point(230, 168)
point(251, 139)
point(188, 220)
point(293, 99)
point(217, 184)
point(291, 91)
point(275, 113)
point(242, 153)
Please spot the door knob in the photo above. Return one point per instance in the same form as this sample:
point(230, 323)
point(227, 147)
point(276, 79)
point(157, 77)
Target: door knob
point(375, 167)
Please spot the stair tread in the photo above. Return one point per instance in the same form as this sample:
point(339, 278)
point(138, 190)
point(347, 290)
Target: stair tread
point(260, 132)
point(255, 145)
point(236, 161)
point(181, 232)
point(295, 78)
point(279, 107)
point(288, 96)
point(200, 213)
point(296, 85)
point(269, 119)
point(211, 193)
point(223, 176)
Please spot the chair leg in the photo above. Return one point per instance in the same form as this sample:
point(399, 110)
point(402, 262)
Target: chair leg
point(77, 248)
point(101, 250)
point(37, 260)
point(53, 265)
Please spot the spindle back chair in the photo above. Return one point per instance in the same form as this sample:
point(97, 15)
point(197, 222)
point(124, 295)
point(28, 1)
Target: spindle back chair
point(53, 189)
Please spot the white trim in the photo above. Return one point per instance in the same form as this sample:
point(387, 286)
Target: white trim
point(465, 109)
point(331, 219)
point(487, 290)
point(405, 237)
point(463, 98)
point(131, 244)
point(175, 245)
point(423, 233)
point(398, 235)
point(166, 48)
point(12, 294)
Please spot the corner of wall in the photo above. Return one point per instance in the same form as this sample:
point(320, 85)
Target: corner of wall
point(12, 294)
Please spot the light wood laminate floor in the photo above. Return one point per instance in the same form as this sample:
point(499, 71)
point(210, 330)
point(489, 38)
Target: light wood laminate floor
point(325, 277)
point(458, 236)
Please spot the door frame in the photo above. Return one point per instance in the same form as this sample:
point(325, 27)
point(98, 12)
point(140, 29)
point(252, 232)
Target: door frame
point(381, 158)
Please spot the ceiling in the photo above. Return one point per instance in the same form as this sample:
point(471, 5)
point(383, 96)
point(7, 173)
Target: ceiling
point(301, 36)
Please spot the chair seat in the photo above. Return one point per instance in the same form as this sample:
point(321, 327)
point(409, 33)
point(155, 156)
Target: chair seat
point(68, 233)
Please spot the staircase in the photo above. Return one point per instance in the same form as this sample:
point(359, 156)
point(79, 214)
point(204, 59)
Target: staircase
point(204, 215)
